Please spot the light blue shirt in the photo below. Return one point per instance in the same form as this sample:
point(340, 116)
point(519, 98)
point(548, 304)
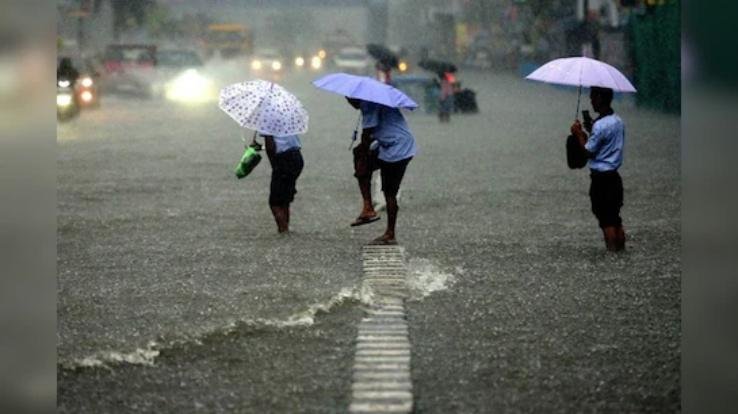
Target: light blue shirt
point(286, 143)
point(391, 132)
point(606, 143)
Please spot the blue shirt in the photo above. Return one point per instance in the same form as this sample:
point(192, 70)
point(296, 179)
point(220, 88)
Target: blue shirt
point(391, 132)
point(286, 143)
point(606, 143)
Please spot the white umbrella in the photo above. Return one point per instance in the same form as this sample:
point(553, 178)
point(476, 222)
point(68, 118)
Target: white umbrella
point(264, 107)
point(582, 72)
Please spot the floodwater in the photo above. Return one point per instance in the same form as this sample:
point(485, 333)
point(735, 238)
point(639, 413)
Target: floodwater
point(176, 294)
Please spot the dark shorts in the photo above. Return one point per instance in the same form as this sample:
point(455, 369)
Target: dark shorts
point(287, 167)
point(392, 173)
point(606, 195)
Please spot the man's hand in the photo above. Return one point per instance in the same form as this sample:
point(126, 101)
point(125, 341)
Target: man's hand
point(576, 128)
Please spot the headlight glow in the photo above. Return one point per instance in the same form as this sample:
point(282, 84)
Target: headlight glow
point(402, 66)
point(321, 54)
point(86, 82)
point(256, 64)
point(299, 61)
point(63, 100)
point(189, 87)
point(86, 96)
point(316, 62)
point(64, 83)
point(276, 65)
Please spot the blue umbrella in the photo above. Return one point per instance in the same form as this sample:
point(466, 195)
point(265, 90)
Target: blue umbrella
point(366, 89)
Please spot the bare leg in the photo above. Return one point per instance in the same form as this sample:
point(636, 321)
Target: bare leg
point(365, 186)
point(620, 238)
point(281, 218)
point(392, 209)
point(611, 238)
point(389, 235)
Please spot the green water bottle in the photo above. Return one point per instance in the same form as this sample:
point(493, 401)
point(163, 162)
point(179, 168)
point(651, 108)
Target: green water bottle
point(249, 160)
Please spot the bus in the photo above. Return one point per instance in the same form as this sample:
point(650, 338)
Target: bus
point(228, 39)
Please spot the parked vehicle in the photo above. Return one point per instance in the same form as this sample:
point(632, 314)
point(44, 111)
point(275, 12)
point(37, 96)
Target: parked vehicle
point(353, 60)
point(130, 68)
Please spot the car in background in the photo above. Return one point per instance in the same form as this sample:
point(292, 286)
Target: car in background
point(180, 76)
point(129, 68)
point(354, 60)
point(268, 63)
point(305, 60)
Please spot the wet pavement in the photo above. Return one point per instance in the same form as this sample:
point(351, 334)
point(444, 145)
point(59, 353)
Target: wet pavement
point(167, 261)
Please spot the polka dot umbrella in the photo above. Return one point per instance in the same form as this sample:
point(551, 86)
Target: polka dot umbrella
point(264, 107)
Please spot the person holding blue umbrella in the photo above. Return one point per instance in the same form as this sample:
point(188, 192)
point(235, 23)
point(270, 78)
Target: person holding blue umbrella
point(383, 123)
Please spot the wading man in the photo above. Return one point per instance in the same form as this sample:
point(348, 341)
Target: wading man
point(604, 147)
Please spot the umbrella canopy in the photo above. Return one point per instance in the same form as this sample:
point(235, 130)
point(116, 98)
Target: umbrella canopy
point(584, 72)
point(383, 55)
point(438, 66)
point(264, 107)
point(366, 89)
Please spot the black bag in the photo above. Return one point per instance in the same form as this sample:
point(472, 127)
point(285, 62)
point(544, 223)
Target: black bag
point(576, 156)
point(466, 101)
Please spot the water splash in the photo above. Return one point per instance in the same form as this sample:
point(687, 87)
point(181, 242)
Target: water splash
point(148, 355)
point(426, 277)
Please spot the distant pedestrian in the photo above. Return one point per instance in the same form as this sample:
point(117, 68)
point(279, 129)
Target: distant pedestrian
point(384, 72)
point(604, 147)
point(396, 147)
point(446, 97)
point(287, 163)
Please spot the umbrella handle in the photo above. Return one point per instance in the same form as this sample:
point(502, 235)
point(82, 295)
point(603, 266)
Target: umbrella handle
point(579, 99)
point(356, 131)
point(253, 138)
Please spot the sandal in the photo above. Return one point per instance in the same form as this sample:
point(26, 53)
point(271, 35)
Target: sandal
point(360, 221)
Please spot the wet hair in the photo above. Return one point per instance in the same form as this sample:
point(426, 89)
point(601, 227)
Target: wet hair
point(605, 93)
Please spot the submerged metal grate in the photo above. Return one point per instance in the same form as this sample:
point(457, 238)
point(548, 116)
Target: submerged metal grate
point(381, 380)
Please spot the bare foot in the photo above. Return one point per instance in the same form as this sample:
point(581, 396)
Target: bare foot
point(384, 240)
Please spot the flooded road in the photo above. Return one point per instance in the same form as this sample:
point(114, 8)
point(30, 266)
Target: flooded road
point(177, 295)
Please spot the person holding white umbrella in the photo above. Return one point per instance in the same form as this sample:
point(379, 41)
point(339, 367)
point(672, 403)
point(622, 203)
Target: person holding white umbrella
point(604, 148)
point(278, 116)
point(604, 145)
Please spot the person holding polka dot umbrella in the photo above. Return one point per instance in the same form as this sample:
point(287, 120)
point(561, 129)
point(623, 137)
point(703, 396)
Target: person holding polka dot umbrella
point(277, 115)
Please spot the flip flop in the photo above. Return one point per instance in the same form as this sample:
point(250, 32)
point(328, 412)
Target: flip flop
point(360, 221)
